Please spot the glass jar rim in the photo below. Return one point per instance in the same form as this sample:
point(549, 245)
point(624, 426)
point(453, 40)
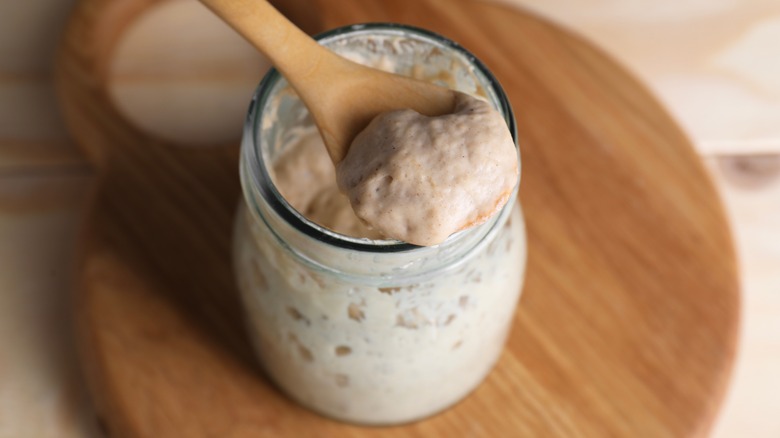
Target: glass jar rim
point(256, 163)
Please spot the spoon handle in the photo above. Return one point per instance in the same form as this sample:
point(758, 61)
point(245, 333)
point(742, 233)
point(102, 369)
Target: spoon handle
point(294, 53)
point(303, 62)
point(342, 96)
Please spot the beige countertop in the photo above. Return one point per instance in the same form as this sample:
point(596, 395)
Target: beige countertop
point(715, 65)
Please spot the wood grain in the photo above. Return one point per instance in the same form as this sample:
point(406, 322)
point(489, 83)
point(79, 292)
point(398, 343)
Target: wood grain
point(627, 325)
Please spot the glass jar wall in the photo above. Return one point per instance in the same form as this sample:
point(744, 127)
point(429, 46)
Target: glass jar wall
point(371, 331)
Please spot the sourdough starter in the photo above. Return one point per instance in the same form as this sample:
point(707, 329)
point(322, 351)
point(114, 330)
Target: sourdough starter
point(420, 179)
point(343, 325)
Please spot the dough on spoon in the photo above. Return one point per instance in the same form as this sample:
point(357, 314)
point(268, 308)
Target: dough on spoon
point(420, 179)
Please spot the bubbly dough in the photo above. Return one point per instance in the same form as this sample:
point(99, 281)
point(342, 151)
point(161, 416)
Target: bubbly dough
point(305, 177)
point(420, 179)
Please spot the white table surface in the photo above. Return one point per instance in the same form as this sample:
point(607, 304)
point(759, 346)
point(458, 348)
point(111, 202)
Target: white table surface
point(714, 63)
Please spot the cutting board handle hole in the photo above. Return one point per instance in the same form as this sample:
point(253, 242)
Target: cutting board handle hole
point(164, 78)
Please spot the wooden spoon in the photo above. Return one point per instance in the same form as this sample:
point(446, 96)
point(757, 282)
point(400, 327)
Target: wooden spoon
point(342, 96)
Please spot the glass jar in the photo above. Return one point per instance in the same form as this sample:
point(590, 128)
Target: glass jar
point(372, 331)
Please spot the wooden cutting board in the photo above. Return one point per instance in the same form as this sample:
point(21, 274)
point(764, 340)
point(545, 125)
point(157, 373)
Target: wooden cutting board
point(627, 324)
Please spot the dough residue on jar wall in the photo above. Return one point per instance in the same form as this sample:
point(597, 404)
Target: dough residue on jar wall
point(420, 179)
